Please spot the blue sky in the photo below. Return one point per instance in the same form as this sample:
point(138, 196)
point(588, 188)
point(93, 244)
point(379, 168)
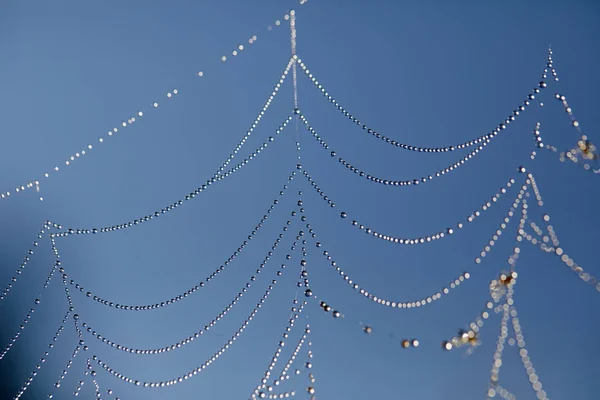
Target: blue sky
point(422, 73)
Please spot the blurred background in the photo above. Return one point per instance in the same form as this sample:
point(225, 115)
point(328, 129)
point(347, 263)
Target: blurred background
point(425, 73)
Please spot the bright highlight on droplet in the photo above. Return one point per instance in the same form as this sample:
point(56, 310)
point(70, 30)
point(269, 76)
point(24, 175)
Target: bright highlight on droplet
point(175, 91)
point(234, 52)
point(223, 58)
point(241, 47)
point(169, 94)
point(200, 73)
point(277, 22)
point(155, 105)
point(140, 114)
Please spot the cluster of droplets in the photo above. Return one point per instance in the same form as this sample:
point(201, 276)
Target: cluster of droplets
point(263, 389)
point(406, 343)
point(201, 284)
point(392, 182)
point(563, 156)
point(498, 287)
point(559, 251)
point(216, 319)
point(50, 346)
point(470, 336)
point(584, 152)
point(206, 363)
point(27, 258)
point(423, 239)
point(485, 138)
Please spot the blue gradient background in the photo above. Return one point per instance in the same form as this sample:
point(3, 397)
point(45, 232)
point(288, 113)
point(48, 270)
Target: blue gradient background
point(425, 73)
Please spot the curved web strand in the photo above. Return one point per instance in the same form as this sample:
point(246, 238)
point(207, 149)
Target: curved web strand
point(200, 368)
point(181, 343)
point(23, 264)
point(412, 240)
point(391, 182)
point(181, 296)
point(43, 359)
point(258, 117)
point(516, 112)
point(216, 178)
point(29, 314)
point(429, 298)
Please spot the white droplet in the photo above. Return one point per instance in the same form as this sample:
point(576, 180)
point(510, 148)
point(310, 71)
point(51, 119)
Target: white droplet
point(200, 73)
point(140, 114)
point(223, 58)
point(175, 91)
point(169, 94)
point(155, 104)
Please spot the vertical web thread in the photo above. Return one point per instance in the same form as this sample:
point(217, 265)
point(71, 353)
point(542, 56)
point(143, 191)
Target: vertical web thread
point(293, 42)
